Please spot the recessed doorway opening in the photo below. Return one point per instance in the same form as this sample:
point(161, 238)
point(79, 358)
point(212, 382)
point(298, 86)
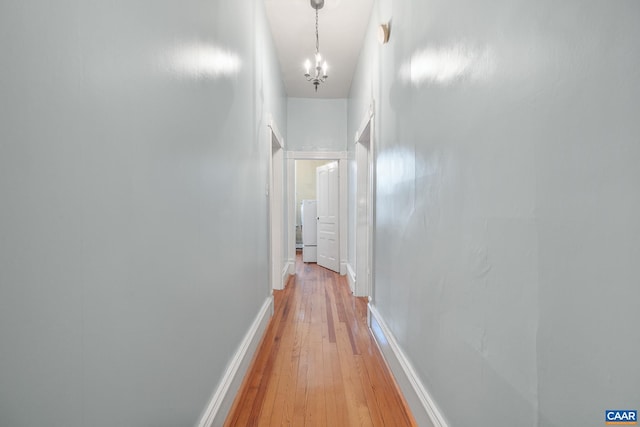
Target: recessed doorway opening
point(340, 158)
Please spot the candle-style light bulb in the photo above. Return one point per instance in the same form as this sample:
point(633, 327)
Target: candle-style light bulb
point(307, 66)
point(325, 67)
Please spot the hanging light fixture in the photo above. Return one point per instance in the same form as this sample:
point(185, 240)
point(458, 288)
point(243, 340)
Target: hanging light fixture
point(320, 71)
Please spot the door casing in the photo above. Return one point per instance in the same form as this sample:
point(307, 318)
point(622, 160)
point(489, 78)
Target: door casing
point(341, 158)
point(365, 207)
point(275, 193)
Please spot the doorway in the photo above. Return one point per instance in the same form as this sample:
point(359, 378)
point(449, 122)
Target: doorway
point(305, 189)
point(341, 158)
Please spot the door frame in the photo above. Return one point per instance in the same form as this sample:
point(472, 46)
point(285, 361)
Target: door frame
point(365, 206)
point(342, 158)
point(275, 188)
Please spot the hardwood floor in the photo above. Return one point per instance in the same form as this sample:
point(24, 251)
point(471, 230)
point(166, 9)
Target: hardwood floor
point(318, 364)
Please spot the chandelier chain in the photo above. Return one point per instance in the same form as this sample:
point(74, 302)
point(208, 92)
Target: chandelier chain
point(317, 38)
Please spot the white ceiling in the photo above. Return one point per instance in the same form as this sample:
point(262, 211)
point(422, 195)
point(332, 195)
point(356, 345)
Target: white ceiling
point(342, 26)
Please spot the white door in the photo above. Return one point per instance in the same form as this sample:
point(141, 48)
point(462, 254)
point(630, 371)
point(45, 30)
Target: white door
point(328, 195)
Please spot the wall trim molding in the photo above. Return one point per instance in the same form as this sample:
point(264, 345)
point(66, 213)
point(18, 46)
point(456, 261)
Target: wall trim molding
point(365, 121)
point(218, 407)
point(365, 196)
point(351, 276)
point(292, 267)
point(276, 199)
point(274, 128)
point(422, 405)
point(316, 155)
point(285, 275)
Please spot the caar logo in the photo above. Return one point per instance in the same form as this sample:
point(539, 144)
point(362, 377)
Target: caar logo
point(620, 417)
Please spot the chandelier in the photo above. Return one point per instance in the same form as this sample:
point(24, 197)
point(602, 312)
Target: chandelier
point(320, 71)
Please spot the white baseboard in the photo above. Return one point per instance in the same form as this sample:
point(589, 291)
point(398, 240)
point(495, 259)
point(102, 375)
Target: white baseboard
point(285, 275)
point(218, 408)
point(292, 266)
point(424, 409)
point(351, 276)
point(343, 268)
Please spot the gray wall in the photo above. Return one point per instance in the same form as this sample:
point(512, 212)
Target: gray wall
point(133, 163)
point(316, 124)
point(507, 203)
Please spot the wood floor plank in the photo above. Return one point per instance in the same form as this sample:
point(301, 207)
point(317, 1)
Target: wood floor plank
point(338, 389)
point(318, 364)
point(354, 394)
point(276, 390)
point(331, 332)
point(300, 400)
point(315, 411)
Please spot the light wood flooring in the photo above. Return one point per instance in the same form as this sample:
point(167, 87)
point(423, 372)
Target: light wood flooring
point(318, 364)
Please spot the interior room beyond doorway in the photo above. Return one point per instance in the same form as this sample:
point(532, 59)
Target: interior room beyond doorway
point(305, 189)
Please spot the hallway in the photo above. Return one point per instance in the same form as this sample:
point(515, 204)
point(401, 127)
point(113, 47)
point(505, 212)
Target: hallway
point(146, 149)
point(318, 363)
